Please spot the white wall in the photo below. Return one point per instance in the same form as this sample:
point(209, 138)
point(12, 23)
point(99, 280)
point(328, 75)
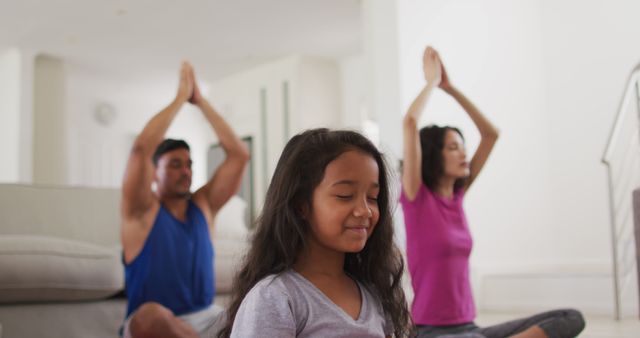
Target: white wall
point(353, 84)
point(584, 87)
point(239, 98)
point(492, 50)
point(98, 153)
point(48, 123)
point(488, 47)
point(50, 153)
point(16, 115)
point(590, 50)
point(549, 74)
point(69, 146)
point(314, 101)
point(27, 69)
point(317, 100)
point(355, 90)
point(382, 74)
point(10, 65)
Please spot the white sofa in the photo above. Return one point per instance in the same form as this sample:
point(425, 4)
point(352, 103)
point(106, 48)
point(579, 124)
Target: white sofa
point(61, 273)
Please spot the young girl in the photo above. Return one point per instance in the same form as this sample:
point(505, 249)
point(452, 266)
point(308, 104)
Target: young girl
point(435, 177)
point(322, 261)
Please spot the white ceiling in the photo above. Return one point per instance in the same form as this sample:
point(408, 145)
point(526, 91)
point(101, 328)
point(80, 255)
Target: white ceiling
point(143, 36)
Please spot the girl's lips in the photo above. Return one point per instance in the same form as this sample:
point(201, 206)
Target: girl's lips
point(358, 230)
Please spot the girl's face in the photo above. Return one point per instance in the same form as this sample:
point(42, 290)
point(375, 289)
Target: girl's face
point(344, 208)
point(455, 156)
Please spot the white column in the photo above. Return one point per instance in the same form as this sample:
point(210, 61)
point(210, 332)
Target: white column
point(10, 114)
point(382, 62)
point(49, 131)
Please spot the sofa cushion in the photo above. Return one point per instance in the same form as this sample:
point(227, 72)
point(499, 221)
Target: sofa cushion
point(230, 221)
point(230, 239)
point(229, 255)
point(39, 268)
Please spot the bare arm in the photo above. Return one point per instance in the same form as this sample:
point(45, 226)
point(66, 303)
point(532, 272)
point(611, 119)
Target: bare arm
point(412, 166)
point(137, 197)
point(488, 132)
point(226, 180)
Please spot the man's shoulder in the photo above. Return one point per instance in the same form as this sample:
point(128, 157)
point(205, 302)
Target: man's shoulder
point(199, 200)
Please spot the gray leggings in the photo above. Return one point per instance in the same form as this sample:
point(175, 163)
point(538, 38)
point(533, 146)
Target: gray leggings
point(556, 324)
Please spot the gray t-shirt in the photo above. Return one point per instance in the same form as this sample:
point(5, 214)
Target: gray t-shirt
point(288, 305)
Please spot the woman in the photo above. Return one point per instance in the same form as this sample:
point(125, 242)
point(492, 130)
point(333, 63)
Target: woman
point(435, 178)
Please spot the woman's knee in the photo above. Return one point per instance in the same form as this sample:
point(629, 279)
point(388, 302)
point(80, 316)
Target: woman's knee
point(565, 323)
point(577, 319)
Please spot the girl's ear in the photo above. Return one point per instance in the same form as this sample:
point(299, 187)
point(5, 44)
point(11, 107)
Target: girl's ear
point(303, 210)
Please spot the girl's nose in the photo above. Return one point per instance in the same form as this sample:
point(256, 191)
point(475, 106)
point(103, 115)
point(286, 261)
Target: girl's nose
point(363, 209)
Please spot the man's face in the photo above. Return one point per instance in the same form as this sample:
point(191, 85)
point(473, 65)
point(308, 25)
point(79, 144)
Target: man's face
point(173, 173)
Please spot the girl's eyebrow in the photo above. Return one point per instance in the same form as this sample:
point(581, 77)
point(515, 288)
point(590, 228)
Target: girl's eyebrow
point(352, 182)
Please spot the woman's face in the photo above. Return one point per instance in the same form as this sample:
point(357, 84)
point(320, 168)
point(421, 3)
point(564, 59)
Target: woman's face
point(454, 156)
point(344, 208)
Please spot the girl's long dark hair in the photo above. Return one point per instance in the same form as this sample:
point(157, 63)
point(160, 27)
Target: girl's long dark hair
point(432, 143)
point(281, 231)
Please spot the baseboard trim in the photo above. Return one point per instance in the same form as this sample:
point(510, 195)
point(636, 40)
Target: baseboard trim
point(587, 288)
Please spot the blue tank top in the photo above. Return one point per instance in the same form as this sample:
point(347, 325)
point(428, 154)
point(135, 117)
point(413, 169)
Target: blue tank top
point(175, 266)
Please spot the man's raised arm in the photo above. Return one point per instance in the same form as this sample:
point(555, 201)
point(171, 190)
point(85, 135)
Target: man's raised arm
point(226, 180)
point(137, 196)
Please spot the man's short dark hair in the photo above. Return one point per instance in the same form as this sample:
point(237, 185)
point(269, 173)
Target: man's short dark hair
point(167, 146)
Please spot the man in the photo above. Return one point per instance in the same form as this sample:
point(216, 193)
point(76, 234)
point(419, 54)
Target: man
point(168, 254)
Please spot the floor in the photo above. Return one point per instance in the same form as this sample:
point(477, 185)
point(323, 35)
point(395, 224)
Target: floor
point(597, 326)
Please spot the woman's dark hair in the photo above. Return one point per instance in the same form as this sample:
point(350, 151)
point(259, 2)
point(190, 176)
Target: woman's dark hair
point(432, 142)
point(281, 232)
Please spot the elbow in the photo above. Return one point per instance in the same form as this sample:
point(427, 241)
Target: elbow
point(245, 156)
point(492, 135)
point(409, 122)
point(140, 149)
point(242, 153)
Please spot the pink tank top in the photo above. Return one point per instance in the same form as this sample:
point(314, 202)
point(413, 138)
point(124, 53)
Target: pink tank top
point(438, 248)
